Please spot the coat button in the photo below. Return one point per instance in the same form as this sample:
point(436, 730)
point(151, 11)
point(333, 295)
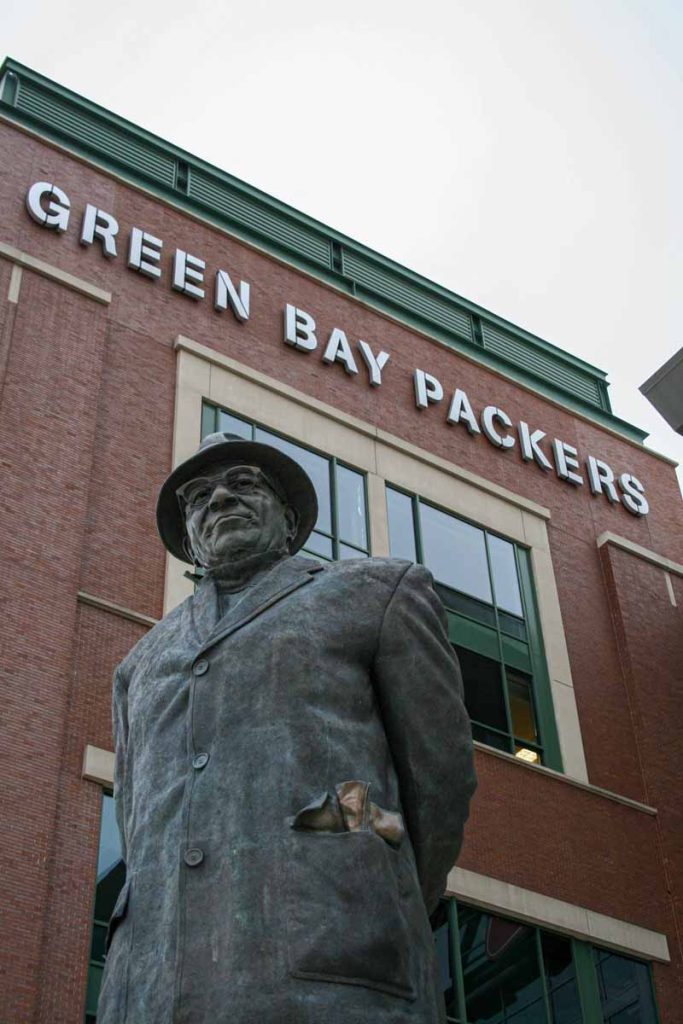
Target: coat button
point(201, 667)
point(193, 857)
point(200, 761)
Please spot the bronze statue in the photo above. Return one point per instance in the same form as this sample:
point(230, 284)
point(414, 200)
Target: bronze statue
point(293, 770)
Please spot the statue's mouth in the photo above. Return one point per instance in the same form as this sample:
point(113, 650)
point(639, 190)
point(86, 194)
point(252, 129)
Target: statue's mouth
point(230, 519)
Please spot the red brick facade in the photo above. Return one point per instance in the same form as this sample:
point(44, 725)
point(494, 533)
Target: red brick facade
point(86, 432)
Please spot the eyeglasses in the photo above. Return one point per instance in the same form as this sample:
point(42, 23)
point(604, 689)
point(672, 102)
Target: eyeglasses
point(196, 494)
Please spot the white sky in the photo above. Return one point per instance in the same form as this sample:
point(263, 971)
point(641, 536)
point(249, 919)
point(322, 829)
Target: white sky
point(524, 153)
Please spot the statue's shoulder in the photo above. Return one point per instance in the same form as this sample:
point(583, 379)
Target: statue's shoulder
point(154, 637)
point(384, 572)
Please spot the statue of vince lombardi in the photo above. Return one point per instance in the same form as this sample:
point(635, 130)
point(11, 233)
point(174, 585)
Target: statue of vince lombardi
point(293, 770)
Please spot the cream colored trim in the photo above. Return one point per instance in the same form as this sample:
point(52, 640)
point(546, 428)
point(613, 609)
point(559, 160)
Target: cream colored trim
point(640, 552)
point(280, 261)
point(76, 284)
point(498, 897)
point(14, 284)
point(670, 589)
point(115, 609)
point(98, 765)
point(377, 514)
point(204, 373)
point(561, 777)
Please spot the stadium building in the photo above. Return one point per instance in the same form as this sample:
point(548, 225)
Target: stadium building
point(148, 298)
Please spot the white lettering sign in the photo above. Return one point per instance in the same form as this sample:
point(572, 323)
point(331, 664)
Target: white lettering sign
point(50, 207)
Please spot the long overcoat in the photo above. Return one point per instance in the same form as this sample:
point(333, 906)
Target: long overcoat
point(225, 729)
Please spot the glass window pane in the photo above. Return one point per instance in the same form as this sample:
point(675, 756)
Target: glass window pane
point(497, 740)
point(99, 934)
point(93, 990)
point(401, 529)
point(521, 706)
point(625, 989)
point(110, 844)
point(351, 507)
point(504, 571)
point(316, 544)
point(346, 552)
point(111, 871)
point(484, 698)
point(317, 467)
point(501, 970)
point(455, 552)
point(560, 974)
point(230, 424)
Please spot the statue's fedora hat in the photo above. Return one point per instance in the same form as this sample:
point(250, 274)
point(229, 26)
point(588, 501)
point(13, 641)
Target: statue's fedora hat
point(231, 450)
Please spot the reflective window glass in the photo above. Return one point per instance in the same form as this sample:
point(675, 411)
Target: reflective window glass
point(317, 544)
point(625, 989)
point(483, 683)
point(347, 552)
point(455, 552)
point(351, 519)
point(401, 528)
point(505, 579)
point(507, 972)
point(317, 468)
point(501, 971)
point(230, 424)
point(111, 874)
point(521, 706)
point(560, 975)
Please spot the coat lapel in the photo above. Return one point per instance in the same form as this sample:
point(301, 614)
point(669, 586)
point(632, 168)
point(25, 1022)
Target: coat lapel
point(282, 580)
point(202, 611)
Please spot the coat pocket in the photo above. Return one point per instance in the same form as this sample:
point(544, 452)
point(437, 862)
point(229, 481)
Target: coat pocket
point(345, 915)
point(118, 914)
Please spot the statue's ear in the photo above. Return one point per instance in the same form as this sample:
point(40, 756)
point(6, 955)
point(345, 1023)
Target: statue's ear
point(292, 521)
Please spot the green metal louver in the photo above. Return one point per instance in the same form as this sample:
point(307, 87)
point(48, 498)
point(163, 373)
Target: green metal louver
point(402, 292)
point(249, 213)
point(542, 364)
point(76, 125)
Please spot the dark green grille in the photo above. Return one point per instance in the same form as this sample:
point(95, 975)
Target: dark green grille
point(542, 364)
point(77, 125)
point(249, 213)
point(387, 284)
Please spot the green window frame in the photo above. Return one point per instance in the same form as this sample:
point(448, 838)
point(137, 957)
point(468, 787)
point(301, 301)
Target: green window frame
point(497, 635)
point(496, 970)
point(110, 876)
point(342, 530)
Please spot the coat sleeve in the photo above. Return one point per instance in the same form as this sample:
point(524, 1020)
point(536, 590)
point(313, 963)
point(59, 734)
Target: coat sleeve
point(120, 734)
point(420, 691)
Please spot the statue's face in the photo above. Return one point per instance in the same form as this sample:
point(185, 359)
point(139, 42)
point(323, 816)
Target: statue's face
point(234, 512)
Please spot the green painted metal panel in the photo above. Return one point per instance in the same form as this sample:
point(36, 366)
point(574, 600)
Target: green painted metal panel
point(473, 635)
point(379, 281)
point(255, 216)
point(545, 710)
point(94, 133)
point(541, 363)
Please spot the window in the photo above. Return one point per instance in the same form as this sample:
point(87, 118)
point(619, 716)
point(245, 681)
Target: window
point(342, 529)
point(111, 874)
point(625, 989)
point(485, 583)
point(495, 970)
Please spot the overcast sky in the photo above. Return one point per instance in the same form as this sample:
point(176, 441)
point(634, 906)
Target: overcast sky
point(527, 154)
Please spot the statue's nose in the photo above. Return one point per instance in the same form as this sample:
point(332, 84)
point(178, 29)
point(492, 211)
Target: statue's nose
point(221, 496)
